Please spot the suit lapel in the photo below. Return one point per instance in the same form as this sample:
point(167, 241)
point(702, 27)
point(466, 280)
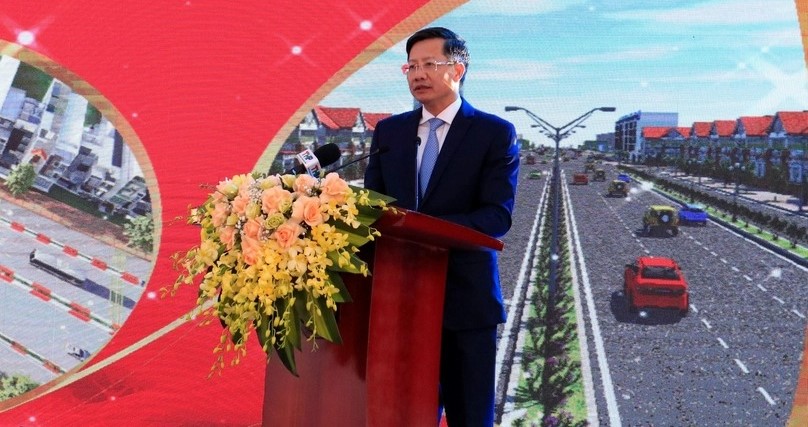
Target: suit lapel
point(454, 140)
point(409, 158)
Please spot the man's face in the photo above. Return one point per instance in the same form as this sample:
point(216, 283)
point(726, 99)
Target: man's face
point(435, 89)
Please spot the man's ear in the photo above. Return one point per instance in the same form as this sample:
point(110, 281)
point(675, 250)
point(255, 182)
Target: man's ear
point(460, 71)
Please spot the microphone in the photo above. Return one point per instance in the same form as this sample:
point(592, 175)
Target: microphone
point(311, 162)
point(380, 150)
point(418, 141)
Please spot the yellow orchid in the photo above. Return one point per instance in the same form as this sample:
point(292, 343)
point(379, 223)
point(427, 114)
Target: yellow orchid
point(286, 284)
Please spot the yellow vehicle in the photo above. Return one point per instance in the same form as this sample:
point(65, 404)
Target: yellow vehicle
point(618, 188)
point(660, 218)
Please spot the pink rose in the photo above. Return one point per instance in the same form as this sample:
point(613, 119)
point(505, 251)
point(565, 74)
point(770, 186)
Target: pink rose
point(333, 188)
point(240, 204)
point(227, 235)
point(304, 183)
point(219, 214)
point(307, 209)
point(252, 229)
point(250, 249)
point(287, 234)
point(274, 199)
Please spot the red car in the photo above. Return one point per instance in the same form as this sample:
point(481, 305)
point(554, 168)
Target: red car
point(580, 178)
point(655, 282)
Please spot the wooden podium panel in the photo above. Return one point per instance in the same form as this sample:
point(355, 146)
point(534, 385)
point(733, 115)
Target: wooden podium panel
point(386, 371)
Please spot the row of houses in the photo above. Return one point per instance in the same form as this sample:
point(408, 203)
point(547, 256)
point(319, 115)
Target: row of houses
point(780, 139)
point(350, 128)
point(51, 133)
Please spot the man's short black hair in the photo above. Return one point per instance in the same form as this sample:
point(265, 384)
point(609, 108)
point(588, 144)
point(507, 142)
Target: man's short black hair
point(454, 47)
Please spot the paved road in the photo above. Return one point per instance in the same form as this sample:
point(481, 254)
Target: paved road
point(734, 360)
point(44, 328)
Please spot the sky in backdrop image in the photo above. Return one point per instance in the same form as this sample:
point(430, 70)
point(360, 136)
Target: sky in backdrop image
point(705, 60)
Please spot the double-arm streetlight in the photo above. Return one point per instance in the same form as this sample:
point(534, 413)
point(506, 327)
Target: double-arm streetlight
point(556, 134)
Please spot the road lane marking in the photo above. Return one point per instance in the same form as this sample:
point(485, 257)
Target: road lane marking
point(766, 395)
point(706, 323)
point(748, 279)
point(762, 288)
point(723, 344)
point(527, 265)
point(713, 253)
point(778, 300)
point(742, 366)
point(802, 316)
point(735, 269)
point(603, 364)
point(723, 260)
point(693, 307)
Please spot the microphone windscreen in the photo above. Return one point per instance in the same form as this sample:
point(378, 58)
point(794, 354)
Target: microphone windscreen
point(328, 154)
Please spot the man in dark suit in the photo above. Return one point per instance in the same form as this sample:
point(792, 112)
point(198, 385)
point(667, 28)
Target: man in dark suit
point(451, 161)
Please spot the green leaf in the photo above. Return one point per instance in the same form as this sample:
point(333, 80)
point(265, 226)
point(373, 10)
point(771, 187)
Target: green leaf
point(374, 195)
point(353, 265)
point(293, 334)
point(368, 215)
point(326, 323)
point(287, 356)
point(336, 280)
point(356, 236)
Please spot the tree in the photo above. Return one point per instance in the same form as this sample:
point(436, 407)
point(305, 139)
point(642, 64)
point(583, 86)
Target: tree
point(21, 179)
point(140, 231)
point(15, 385)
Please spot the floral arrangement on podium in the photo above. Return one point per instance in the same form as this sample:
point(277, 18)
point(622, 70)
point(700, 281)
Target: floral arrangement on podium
point(270, 257)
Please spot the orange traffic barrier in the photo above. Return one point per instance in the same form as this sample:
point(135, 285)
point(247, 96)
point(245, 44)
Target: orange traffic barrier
point(6, 273)
point(80, 311)
point(40, 291)
point(97, 263)
point(129, 277)
point(19, 348)
point(52, 367)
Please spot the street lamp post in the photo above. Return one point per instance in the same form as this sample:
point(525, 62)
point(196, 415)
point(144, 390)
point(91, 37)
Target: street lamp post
point(803, 178)
point(737, 168)
point(556, 134)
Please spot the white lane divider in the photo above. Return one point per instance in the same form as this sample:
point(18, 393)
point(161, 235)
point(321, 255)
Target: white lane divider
point(600, 351)
point(723, 344)
point(706, 323)
point(766, 395)
point(742, 366)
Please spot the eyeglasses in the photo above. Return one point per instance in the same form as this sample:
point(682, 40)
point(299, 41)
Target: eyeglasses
point(427, 67)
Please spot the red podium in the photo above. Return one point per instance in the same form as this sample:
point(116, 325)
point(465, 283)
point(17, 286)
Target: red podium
point(385, 373)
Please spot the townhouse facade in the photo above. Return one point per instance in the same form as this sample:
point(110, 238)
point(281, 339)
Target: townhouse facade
point(348, 127)
point(756, 143)
point(52, 132)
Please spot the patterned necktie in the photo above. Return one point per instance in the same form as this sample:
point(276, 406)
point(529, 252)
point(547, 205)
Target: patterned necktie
point(430, 155)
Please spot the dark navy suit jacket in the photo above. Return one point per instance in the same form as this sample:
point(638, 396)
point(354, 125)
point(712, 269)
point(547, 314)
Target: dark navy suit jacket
point(473, 184)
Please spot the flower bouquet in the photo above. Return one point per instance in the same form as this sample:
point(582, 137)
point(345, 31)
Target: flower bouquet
point(271, 253)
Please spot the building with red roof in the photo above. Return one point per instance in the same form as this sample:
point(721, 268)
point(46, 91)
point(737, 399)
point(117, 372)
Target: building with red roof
point(347, 127)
